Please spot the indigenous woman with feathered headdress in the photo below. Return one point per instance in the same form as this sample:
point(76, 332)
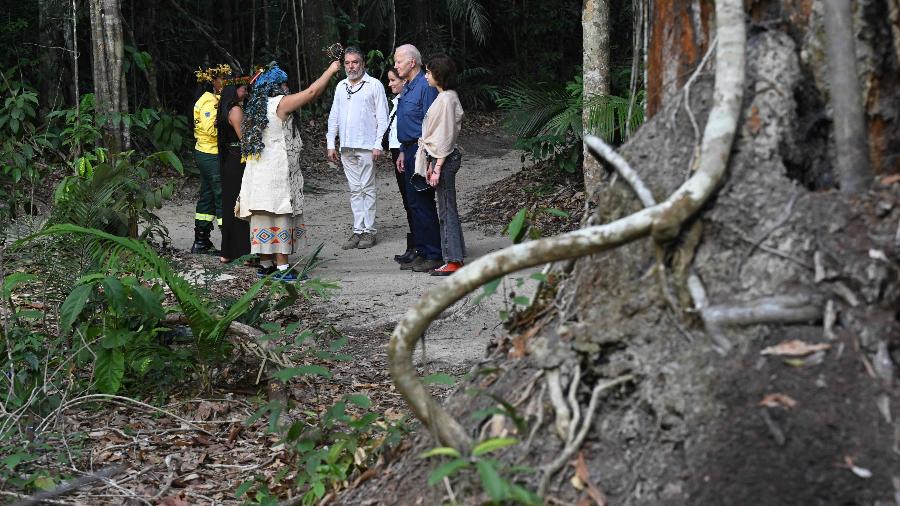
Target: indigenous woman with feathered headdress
point(209, 203)
point(271, 197)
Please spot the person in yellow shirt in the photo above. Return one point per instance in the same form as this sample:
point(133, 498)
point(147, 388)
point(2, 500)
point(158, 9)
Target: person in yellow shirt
point(209, 204)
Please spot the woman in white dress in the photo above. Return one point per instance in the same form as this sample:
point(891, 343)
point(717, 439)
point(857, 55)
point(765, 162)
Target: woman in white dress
point(271, 197)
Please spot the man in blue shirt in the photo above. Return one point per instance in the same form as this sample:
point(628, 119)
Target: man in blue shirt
point(414, 101)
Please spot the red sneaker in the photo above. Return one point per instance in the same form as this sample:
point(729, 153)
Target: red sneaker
point(447, 269)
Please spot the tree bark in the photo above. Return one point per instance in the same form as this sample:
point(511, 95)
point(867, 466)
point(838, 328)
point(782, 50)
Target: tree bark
point(107, 55)
point(595, 29)
point(851, 144)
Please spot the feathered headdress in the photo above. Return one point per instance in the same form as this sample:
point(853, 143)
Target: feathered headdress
point(265, 83)
point(204, 76)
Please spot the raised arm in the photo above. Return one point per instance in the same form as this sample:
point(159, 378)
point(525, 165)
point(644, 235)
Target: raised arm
point(292, 102)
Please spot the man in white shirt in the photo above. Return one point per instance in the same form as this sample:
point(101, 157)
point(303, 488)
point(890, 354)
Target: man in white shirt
point(359, 117)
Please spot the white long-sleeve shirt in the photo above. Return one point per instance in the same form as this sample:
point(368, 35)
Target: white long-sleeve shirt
point(358, 118)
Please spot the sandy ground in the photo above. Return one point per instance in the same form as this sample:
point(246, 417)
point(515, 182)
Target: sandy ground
point(374, 292)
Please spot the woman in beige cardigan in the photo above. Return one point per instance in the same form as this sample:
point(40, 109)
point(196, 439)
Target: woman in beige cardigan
point(441, 160)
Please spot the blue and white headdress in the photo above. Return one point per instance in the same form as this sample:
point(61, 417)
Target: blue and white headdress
point(264, 84)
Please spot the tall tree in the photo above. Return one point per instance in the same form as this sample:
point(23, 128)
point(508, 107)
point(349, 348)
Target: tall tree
point(107, 53)
point(595, 65)
point(849, 120)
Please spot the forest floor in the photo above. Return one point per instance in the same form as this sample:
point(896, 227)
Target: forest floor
point(188, 446)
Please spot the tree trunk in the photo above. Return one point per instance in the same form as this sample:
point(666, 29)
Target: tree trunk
point(107, 52)
point(848, 116)
point(318, 33)
point(595, 29)
point(50, 13)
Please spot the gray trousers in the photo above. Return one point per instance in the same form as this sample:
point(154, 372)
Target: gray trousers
point(453, 246)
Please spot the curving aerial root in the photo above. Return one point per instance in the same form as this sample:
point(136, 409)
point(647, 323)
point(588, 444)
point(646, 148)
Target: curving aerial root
point(661, 221)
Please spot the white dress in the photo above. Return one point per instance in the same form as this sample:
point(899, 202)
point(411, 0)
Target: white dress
point(271, 195)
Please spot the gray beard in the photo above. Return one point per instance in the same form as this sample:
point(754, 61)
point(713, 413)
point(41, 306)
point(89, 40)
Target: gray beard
point(356, 75)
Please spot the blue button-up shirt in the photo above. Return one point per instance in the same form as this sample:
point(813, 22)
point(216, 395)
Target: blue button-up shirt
point(415, 99)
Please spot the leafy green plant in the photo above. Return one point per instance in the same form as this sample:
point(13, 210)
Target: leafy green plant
point(207, 325)
point(115, 193)
point(327, 446)
point(548, 119)
point(495, 479)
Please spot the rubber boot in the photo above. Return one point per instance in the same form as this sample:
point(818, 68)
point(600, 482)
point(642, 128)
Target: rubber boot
point(202, 244)
point(410, 254)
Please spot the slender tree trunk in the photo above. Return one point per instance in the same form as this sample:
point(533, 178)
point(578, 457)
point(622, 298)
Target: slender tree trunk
point(107, 56)
point(297, 68)
point(353, 37)
point(49, 13)
point(636, 56)
point(595, 29)
point(394, 26)
point(851, 144)
point(266, 27)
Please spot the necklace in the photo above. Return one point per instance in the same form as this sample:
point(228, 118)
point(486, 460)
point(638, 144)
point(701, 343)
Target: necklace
point(351, 91)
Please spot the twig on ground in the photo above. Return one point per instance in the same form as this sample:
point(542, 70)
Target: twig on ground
point(558, 400)
point(537, 423)
point(555, 465)
point(573, 403)
point(115, 399)
point(449, 490)
point(71, 486)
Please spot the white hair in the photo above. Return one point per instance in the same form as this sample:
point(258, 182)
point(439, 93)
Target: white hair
point(411, 51)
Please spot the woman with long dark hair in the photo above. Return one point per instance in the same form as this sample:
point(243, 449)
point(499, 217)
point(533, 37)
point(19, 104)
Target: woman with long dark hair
point(271, 197)
point(235, 232)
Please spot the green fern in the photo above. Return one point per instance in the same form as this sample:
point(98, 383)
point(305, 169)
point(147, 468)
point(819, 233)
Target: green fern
point(208, 328)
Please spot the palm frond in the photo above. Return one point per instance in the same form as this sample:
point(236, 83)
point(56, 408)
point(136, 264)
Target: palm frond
point(473, 13)
point(108, 249)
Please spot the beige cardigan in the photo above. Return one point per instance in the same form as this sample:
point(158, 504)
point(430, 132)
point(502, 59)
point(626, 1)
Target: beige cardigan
point(440, 129)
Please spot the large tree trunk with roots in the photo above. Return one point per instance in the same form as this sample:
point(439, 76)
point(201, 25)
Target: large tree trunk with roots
point(657, 360)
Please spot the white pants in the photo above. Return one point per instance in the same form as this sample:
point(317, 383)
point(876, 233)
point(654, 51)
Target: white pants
point(360, 171)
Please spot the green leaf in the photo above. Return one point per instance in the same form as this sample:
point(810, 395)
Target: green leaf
point(493, 444)
point(444, 451)
point(490, 288)
point(524, 496)
point(440, 378)
point(243, 488)
point(515, 229)
point(318, 489)
point(14, 279)
point(172, 159)
point(71, 308)
point(114, 293)
point(493, 484)
point(308, 370)
point(447, 469)
point(147, 302)
point(116, 338)
point(555, 212)
point(360, 400)
point(44, 483)
point(15, 459)
point(521, 300)
point(108, 370)
point(538, 277)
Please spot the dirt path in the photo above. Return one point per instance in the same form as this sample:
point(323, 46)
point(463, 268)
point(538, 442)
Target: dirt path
point(374, 292)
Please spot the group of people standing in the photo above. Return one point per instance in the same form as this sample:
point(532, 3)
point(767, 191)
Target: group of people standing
point(248, 147)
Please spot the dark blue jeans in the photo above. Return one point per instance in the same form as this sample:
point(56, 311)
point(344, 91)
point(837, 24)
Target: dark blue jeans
point(426, 228)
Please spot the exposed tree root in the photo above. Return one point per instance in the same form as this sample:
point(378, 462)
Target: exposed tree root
point(571, 447)
point(662, 221)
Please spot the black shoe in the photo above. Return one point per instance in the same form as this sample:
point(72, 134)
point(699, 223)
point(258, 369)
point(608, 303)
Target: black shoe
point(409, 265)
point(407, 257)
point(265, 271)
point(425, 264)
point(202, 244)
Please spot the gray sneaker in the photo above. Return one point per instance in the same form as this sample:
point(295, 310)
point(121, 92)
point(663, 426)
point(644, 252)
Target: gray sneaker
point(366, 240)
point(352, 242)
